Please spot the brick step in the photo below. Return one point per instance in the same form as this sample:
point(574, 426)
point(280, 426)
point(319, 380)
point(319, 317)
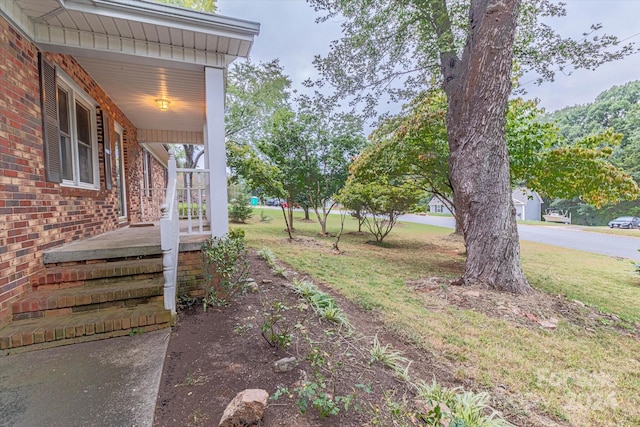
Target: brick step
point(59, 302)
point(47, 332)
point(97, 273)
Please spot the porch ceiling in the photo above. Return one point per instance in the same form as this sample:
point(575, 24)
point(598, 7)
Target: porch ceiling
point(135, 87)
point(139, 51)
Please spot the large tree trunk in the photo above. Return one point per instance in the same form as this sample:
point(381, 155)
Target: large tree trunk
point(478, 87)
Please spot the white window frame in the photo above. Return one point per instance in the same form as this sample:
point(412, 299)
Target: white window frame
point(147, 172)
point(76, 94)
point(119, 130)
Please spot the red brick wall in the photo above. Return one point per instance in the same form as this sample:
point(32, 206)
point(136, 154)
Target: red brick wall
point(191, 274)
point(36, 215)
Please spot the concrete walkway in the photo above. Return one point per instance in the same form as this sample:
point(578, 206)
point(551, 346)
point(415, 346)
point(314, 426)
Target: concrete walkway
point(111, 382)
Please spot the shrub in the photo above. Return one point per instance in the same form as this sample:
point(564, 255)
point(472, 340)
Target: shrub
point(240, 210)
point(226, 267)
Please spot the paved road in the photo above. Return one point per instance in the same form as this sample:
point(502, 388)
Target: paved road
point(570, 236)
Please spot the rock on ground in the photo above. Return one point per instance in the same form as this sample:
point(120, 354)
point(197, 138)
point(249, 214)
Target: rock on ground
point(246, 409)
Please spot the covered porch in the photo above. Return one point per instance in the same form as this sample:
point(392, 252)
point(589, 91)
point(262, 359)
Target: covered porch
point(106, 86)
point(165, 69)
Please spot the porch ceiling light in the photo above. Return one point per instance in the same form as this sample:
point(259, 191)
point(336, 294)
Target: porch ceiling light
point(163, 104)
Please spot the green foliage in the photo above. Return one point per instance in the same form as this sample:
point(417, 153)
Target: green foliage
point(615, 113)
point(275, 329)
point(201, 5)
point(136, 331)
point(391, 358)
point(379, 203)
point(390, 49)
point(385, 49)
point(322, 303)
point(412, 148)
point(456, 408)
point(267, 254)
point(319, 391)
point(584, 170)
point(226, 267)
point(240, 210)
point(298, 154)
point(254, 93)
point(386, 355)
point(185, 301)
point(331, 142)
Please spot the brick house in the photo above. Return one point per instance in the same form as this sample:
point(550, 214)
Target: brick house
point(91, 93)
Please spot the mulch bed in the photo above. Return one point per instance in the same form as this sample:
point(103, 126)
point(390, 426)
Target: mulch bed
point(213, 355)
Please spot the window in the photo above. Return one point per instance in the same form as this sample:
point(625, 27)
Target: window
point(147, 171)
point(70, 133)
point(78, 145)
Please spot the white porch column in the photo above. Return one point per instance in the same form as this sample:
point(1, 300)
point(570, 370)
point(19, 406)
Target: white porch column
point(216, 157)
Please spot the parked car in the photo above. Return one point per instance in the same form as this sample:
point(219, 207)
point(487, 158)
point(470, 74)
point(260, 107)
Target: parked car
point(625, 222)
point(273, 202)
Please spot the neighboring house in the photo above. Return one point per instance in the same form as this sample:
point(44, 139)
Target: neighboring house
point(528, 205)
point(91, 93)
point(436, 205)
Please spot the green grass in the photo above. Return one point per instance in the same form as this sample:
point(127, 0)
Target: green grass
point(586, 377)
point(614, 231)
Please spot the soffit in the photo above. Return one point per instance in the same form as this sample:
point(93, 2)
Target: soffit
point(135, 87)
point(133, 27)
point(139, 51)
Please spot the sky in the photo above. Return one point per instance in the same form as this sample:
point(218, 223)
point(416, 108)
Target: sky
point(289, 32)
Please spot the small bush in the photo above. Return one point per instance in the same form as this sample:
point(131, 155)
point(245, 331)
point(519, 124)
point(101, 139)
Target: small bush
point(275, 329)
point(226, 267)
point(240, 211)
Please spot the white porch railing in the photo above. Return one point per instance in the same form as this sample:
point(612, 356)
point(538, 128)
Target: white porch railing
point(192, 200)
point(183, 203)
point(170, 238)
point(190, 196)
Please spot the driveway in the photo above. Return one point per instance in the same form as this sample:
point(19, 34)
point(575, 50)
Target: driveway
point(566, 236)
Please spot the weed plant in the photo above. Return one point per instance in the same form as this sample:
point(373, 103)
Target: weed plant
point(386, 355)
point(275, 329)
point(322, 303)
point(454, 407)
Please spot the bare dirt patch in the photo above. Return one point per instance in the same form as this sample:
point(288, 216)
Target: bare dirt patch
point(213, 355)
point(533, 310)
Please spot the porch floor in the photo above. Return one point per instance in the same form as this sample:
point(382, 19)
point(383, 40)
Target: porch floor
point(131, 241)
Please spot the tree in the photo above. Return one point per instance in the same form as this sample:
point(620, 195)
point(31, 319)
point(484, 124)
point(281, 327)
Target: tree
point(411, 148)
point(254, 93)
point(395, 47)
point(616, 109)
point(259, 173)
point(381, 204)
point(333, 139)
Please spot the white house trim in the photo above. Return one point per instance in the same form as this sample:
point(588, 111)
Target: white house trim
point(216, 158)
point(170, 137)
point(133, 27)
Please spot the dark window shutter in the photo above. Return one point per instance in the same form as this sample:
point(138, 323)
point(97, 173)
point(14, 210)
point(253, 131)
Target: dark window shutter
point(106, 145)
point(50, 124)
